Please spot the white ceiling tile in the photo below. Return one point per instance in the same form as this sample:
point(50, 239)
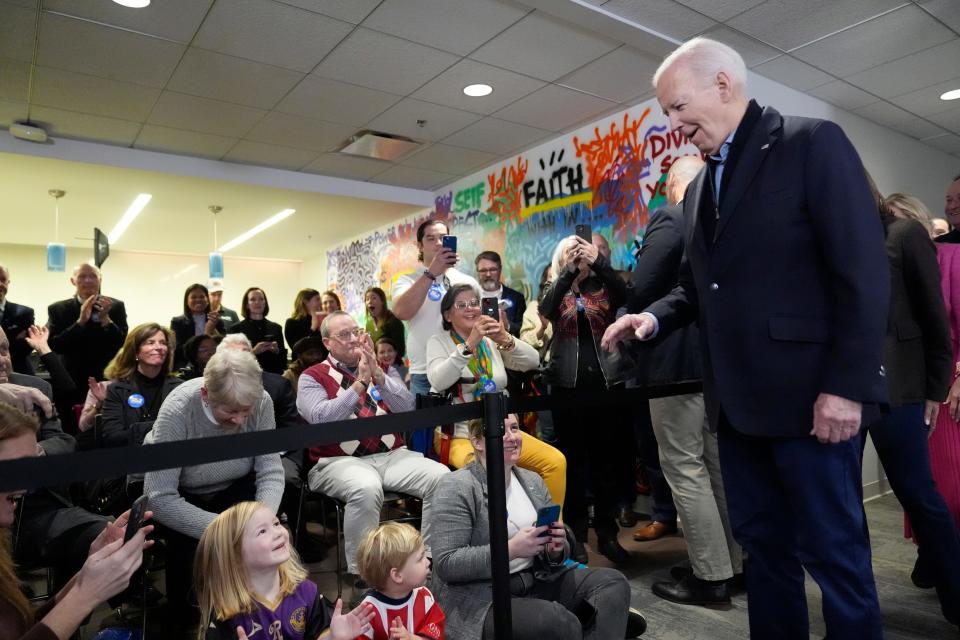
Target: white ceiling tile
point(413, 178)
point(787, 24)
point(843, 95)
point(441, 121)
point(663, 16)
point(496, 136)
point(16, 32)
point(543, 47)
point(14, 79)
point(793, 73)
point(751, 50)
point(174, 19)
point(84, 126)
point(621, 75)
point(269, 155)
point(334, 101)
point(943, 10)
point(379, 61)
point(554, 108)
point(922, 69)
point(949, 143)
point(11, 111)
point(222, 77)
point(270, 32)
point(447, 88)
point(301, 133)
point(180, 111)
point(189, 143)
point(949, 119)
point(721, 10)
point(894, 35)
point(926, 101)
point(85, 47)
point(884, 113)
point(447, 159)
point(341, 165)
point(89, 94)
point(917, 128)
point(353, 11)
point(438, 21)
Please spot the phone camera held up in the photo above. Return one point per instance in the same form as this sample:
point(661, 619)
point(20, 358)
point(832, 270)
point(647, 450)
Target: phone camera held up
point(95, 316)
point(490, 307)
point(449, 242)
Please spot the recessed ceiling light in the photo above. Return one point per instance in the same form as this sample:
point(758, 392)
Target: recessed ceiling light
point(133, 4)
point(951, 95)
point(478, 90)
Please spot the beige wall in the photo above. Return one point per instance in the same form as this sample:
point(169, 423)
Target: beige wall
point(151, 285)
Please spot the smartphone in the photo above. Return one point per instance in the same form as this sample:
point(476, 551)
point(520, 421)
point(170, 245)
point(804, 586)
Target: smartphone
point(585, 231)
point(490, 307)
point(137, 512)
point(450, 242)
point(546, 516)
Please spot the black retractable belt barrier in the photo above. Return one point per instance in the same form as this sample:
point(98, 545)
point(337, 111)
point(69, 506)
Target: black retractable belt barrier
point(57, 470)
point(493, 414)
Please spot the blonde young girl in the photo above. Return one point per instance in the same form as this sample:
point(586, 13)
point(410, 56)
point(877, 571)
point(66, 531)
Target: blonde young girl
point(248, 578)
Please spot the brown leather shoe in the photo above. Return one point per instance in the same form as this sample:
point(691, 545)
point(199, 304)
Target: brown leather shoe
point(654, 531)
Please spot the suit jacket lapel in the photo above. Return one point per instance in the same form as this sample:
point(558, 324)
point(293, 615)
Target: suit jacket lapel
point(692, 203)
point(761, 139)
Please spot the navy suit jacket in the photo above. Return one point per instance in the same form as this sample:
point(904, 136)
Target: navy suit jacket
point(518, 304)
point(793, 293)
point(16, 320)
point(86, 349)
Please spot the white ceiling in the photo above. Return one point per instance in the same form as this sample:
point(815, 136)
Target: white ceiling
point(283, 83)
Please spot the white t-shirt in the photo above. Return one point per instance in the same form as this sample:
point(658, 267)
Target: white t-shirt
point(427, 321)
point(520, 513)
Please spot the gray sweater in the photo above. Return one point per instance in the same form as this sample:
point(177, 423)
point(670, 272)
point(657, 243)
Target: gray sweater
point(182, 417)
point(460, 540)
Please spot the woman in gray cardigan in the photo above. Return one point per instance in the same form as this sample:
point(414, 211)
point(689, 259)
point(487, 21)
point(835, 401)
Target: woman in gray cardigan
point(551, 598)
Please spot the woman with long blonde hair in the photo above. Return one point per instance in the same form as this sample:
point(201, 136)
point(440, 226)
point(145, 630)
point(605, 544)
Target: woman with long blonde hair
point(248, 576)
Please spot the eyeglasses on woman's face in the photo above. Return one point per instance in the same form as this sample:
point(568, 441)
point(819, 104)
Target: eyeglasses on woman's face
point(460, 305)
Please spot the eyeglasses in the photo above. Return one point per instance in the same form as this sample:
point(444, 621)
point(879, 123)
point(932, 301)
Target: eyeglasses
point(344, 335)
point(460, 305)
point(490, 270)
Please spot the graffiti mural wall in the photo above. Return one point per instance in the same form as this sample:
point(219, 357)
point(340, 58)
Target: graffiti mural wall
point(610, 174)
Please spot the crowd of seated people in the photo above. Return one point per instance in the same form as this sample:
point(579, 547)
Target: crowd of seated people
point(208, 374)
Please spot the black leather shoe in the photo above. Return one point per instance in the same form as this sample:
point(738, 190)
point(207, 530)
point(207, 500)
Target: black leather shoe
point(627, 518)
point(735, 585)
point(680, 571)
point(691, 590)
point(611, 549)
point(921, 575)
point(636, 624)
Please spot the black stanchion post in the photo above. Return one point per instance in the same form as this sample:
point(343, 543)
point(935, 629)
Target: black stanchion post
point(493, 415)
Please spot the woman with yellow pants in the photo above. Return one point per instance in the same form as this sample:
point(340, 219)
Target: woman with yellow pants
point(472, 356)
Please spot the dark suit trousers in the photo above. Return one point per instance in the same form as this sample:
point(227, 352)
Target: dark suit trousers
point(797, 504)
point(901, 442)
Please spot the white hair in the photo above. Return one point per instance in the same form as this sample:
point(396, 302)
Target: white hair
point(705, 58)
point(325, 325)
point(233, 378)
point(685, 168)
point(95, 268)
point(234, 341)
point(556, 263)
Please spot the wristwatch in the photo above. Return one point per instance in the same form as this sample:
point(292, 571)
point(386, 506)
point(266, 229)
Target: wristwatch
point(464, 350)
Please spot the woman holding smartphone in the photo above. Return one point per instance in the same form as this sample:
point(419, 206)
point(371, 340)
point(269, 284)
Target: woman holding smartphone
point(265, 336)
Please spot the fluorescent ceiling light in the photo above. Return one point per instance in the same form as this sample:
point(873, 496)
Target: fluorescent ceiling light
point(478, 90)
point(132, 212)
point(133, 4)
point(951, 95)
point(266, 224)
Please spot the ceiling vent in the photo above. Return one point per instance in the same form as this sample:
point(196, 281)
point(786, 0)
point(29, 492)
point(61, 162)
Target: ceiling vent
point(379, 145)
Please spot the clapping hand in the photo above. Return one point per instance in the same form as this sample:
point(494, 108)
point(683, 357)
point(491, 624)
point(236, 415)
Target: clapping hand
point(24, 398)
point(98, 389)
point(399, 632)
point(351, 625)
point(37, 337)
point(102, 306)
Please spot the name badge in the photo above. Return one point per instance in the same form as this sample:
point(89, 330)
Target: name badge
point(506, 303)
point(580, 306)
point(135, 400)
point(375, 393)
point(489, 386)
point(435, 292)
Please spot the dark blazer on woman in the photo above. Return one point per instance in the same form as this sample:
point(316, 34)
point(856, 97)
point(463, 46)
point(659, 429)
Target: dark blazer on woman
point(295, 329)
point(118, 416)
point(264, 331)
point(183, 329)
point(916, 353)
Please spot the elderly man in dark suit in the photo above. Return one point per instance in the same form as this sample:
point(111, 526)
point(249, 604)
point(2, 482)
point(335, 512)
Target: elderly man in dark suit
point(15, 319)
point(785, 270)
point(86, 330)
